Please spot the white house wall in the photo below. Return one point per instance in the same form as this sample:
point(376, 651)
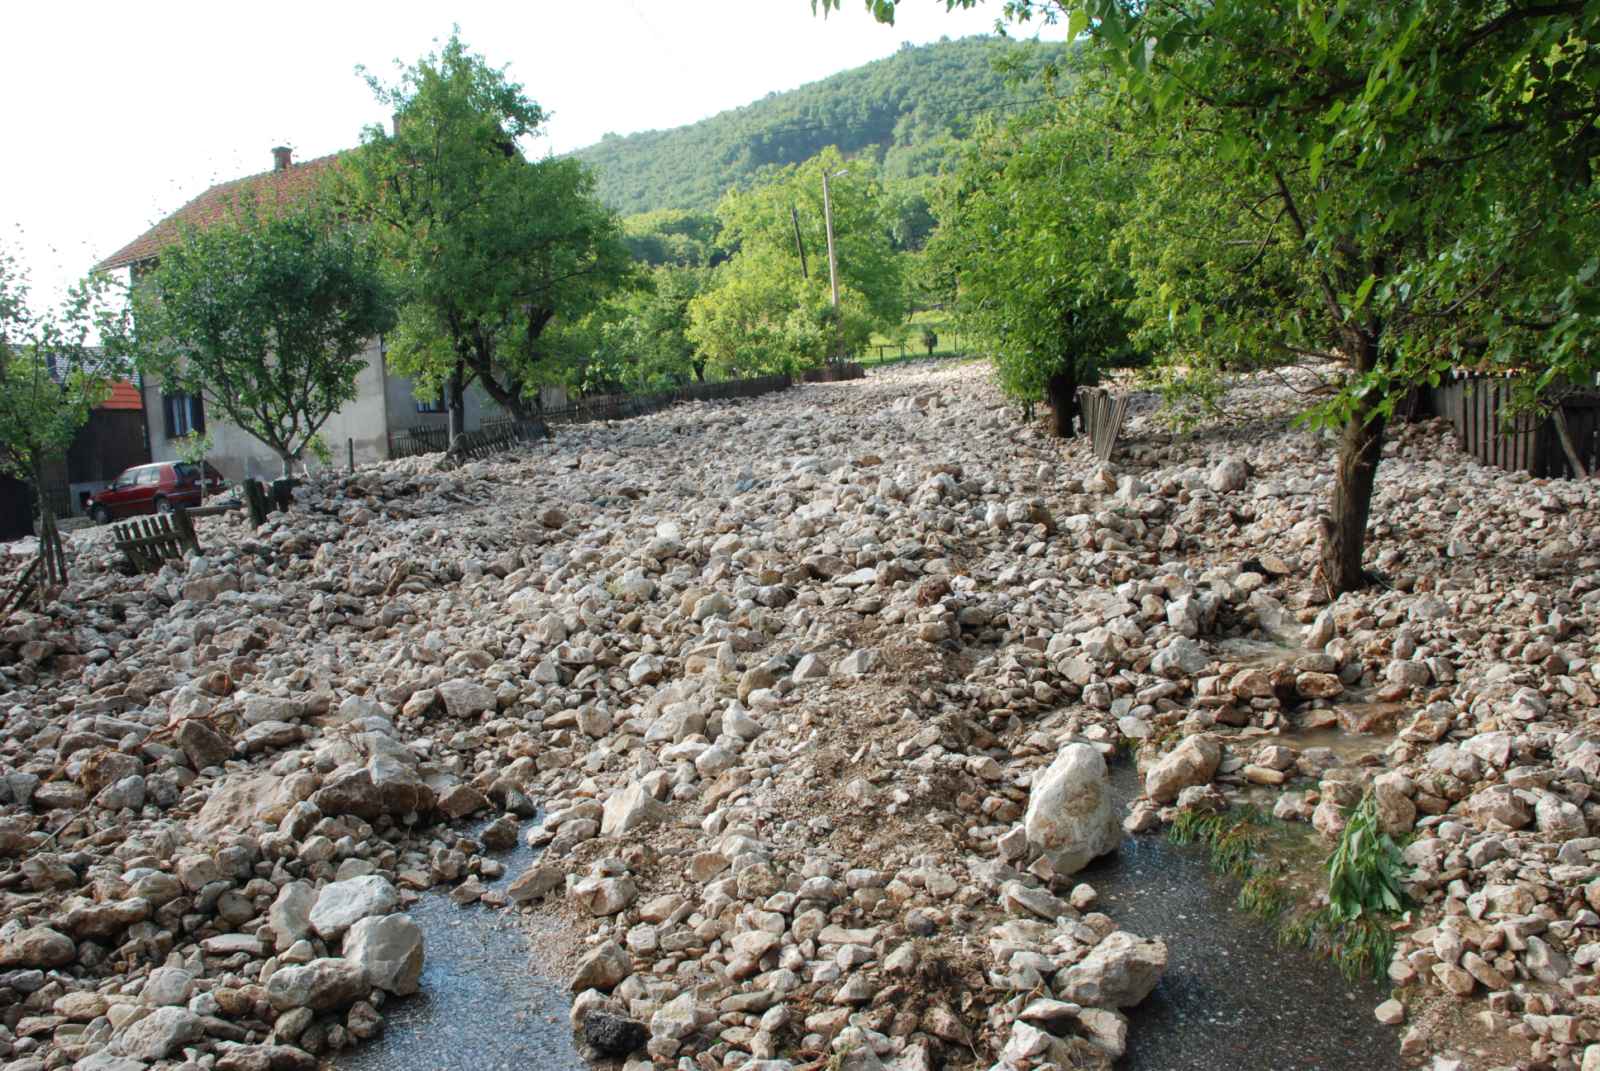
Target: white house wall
point(237, 454)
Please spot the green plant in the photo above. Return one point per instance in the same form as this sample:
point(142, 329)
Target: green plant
point(1358, 947)
point(1366, 867)
point(194, 447)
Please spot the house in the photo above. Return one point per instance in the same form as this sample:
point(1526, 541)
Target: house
point(386, 409)
point(112, 439)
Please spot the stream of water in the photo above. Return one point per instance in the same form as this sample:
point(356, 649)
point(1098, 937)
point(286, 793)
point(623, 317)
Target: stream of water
point(482, 1007)
point(1231, 998)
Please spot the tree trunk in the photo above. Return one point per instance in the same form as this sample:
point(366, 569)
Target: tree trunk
point(1063, 393)
point(1344, 531)
point(458, 402)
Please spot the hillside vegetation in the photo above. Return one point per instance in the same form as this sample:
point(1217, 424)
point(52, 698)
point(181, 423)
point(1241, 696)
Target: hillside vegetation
point(905, 111)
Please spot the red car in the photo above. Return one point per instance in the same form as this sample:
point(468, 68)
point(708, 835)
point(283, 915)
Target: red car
point(157, 488)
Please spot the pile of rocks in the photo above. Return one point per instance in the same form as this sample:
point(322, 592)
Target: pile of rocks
point(813, 696)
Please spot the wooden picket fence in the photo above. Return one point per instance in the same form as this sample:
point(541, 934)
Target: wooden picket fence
point(1103, 416)
point(1477, 407)
point(149, 542)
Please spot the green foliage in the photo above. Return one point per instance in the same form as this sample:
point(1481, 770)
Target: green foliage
point(1027, 231)
point(1364, 873)
point(1233, 838)
point(761, 313)
point(1400, 187)
point(671, 236)
point(637, 341)
point(1360, 947)
point(1366, 868)
point(901, 112)
point(265, 316)
point(194, 447)
point(490, 250)
point(50, 375)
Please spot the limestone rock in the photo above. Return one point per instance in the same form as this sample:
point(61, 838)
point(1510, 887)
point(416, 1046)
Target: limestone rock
point(340, 904)
point(1192, 762)
point(1071, 818)
point(390, 949)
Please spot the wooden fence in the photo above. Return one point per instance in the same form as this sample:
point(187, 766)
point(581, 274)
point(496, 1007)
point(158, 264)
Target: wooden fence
point(1103, 417)
point(497, 435)
point(147, 542)
point(1476, 407)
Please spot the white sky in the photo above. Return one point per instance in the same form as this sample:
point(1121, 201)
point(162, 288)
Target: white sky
point(118, 113)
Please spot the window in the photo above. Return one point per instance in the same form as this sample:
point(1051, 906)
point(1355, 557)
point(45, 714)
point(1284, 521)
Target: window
point(126, 480)
point(184, 413)
point(434, 405)
point(150, 476)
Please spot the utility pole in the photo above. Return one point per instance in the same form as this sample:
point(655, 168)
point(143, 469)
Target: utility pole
point(799, 242)
point(833, 261)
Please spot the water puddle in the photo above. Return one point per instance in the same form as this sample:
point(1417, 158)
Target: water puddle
point(1231, 997)
point(482, 1007)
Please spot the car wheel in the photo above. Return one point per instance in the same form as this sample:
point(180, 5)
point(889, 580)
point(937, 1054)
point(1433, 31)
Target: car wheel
point(163, 506)
point(101, 515)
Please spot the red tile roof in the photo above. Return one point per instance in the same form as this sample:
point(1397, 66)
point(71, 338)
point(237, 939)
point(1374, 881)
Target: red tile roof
point(293, 184)
point(124, 395)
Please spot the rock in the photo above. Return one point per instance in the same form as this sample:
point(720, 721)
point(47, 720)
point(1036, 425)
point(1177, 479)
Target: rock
point(340, 904)
point(290, 914)
point(465, 699)
point(322, 985)
point(602, 969)
point(1070, 818)
point(265, 1058)
point(1192, 762)
point(605, 896)
point(614, 1035)
point(1183, 657)
point(1397, 815)
point(536, 882)
point(168, 986)
point(631, 808)
point(1229, 474)
point(1118, 973)
point(161, 1033)
point(38, 946)
point(676, 1019)
point(390, 949)
point(1390, 1013)
point(202, 745)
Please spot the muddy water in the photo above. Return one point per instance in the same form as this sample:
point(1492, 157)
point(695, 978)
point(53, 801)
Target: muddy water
point(482, 1007)
point(1231, 998)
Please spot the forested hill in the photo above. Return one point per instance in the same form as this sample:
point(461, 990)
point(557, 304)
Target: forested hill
point(903, 109)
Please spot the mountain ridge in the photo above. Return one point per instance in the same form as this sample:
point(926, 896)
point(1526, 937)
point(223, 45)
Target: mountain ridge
point(906, 109)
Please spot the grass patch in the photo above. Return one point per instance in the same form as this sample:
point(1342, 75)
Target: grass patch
point(1358, 947)
point(1364, 870)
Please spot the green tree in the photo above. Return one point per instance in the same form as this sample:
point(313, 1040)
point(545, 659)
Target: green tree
point(50, 374)
point(489, 249)
point(770, 309)
point(1027, 225)
point(1410, 180)
point(265, 316)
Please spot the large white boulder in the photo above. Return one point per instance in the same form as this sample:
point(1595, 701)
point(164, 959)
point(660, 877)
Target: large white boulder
point(1071, 818)
point(389, 949)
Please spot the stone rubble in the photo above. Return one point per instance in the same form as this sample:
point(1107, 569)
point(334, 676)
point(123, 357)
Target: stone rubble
point(814, 695)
